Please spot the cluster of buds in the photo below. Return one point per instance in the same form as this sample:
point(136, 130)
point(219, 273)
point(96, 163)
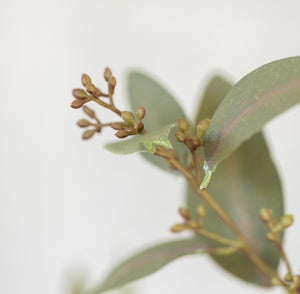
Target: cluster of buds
point(84, 123)
point(294, 282)
point(189, 223)
point(129, 126)
point(274, 226)
point(184, 136)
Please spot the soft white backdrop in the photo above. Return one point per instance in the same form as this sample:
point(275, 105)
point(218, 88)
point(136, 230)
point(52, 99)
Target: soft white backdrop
point(69, 206)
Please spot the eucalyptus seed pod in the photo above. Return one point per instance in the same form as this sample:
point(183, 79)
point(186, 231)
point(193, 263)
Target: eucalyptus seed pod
point(89, 112)
point(183, 125)
point(139, 126)
point(184, 213)
point(178, 228)
point(117, 126)
point(90, 88)
point(77, 103)
point(266, 214)
point(287, 220)
point(88, 134)
point(83, 123)
point(121, 134)
point(85, 80)
point(180, 137)
point(80, 94)
point(112, 84)
point(128, 117)
point(202, 127)
point(107, 74)
point(140, 112)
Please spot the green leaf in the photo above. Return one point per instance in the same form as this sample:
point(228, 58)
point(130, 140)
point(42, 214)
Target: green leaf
point(252, 102)
point(243, 184)
point(143, 143)
point(161, 109)
point(148, 262)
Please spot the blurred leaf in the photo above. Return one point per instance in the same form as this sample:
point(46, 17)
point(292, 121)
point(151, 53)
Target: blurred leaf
point(243, 183)
point(142, 143)
point(161, 109)
point(252, 102)
point(148, 262)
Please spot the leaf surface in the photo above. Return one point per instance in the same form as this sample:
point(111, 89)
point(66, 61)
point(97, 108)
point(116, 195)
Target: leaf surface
point(148, 262)
point(143, 143)
point(253, 101)
point(161, 109)
point(243, 183)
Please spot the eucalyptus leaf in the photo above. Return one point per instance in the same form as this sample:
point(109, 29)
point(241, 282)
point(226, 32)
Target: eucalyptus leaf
point(244, 183)
point(253, 101)
point(148, 262)
point(161, 109)
point(143, 143)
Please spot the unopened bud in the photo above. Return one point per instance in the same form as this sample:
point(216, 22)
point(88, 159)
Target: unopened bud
point(139, 126)
point(92, 89)
point(276, 282)
point(277, 228)
point(112, 84)
point(196, 142)
point(83, 123)
point(117, 126)
point(272, 236)
point(121, 134)
point(288, 277)
point(201, 211)
point(89, 112)
point(193, 224)
point(202, 127)
point(180, 137)
point(107, 74)
point(184, 213)
point(266, 214)
point(80, 94)
point(183, 125)
point(85, 80)
point(140, 113)
point(178, 228)
point(287, 220)
point(88, 134)
point(77, 103)
point(128, 117)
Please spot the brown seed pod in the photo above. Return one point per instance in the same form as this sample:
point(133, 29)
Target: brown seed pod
point(77, 103)
point(88, 134)
point(140, 112)
point(80, 94)
point(183, 125)
point(89, 111)
point(121, 134)
point(83, 123)
point(180, 137)
point(85, 80)
point(107, 74)
point(128, 117)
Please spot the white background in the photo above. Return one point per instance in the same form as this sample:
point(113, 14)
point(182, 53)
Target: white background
point(69, 206)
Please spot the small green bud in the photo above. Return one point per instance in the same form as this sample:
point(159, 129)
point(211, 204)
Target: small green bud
point(121, 134)
point(277, 228)
point(117, 126)
point(202, 127)
point(193, 224)
point(288, 278)
point(88, 134)
point(184, 213)
point(180, 137)
point(77, 103)
point(128, 117)
point(183, 125)
point(140, 112)
point(80, 94)
point(276, 282)
point(89, 112)
point(83, 123)
point(201, 211)
point(178, 228)
point(266, 214)
point(107, 74)
point(287, 220)
point(85, 80)
point(272, 236)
